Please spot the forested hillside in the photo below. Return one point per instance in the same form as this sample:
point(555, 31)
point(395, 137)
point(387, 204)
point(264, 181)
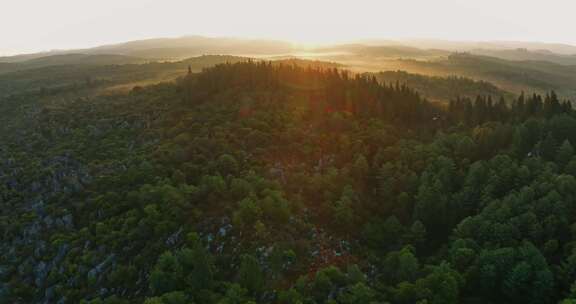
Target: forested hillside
point(442, 88)
point(254, 182)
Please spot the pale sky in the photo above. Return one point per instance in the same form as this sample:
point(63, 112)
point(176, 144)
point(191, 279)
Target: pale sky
point(39, 25)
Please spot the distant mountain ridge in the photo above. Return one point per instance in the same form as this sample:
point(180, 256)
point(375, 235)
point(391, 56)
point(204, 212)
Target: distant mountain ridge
point(173, 48)
point(528, 55)
point(460, 46)
point(188, 46)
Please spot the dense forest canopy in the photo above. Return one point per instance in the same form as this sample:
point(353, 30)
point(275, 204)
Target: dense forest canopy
point(261, 182)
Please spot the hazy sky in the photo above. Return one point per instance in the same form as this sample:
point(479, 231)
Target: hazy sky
point(35, 25)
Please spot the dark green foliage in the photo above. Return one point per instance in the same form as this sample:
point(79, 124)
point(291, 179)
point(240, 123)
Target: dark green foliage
point(250, 276)
point(270, 183)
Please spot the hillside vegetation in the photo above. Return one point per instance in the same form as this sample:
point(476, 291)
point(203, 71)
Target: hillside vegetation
point(442, 88)
point(254, 182)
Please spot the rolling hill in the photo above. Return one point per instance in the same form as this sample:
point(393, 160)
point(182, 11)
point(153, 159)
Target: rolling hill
point(535, 67)
point(69, 59)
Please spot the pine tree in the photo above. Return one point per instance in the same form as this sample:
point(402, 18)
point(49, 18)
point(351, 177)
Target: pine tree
point(250, 275)
point(564, 154)
point(548, 147)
